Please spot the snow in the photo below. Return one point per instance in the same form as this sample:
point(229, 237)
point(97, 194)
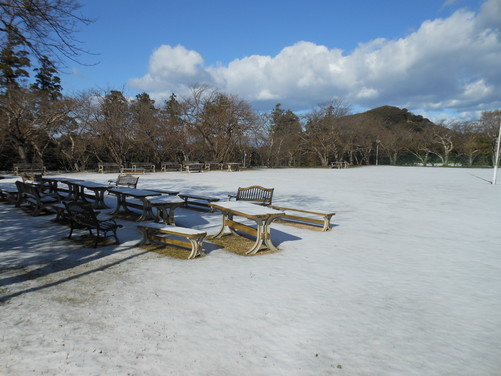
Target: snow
point(407, 282)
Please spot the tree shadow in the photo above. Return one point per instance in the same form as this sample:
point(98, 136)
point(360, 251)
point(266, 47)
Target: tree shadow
point(55, 267)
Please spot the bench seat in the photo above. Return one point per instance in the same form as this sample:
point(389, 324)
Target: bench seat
point(171, 234)
point(9, 194)
point(197, 202)
point(300, 215)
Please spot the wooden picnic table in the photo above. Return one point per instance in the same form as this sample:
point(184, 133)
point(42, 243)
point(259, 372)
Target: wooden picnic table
point(123, 193)
point(261, 215)
point(76, 189)
point(165, 206)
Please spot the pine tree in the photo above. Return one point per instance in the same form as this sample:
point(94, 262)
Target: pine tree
point(13, 62)
point(47, 83)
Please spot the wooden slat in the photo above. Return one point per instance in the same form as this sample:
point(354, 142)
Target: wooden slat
point(303, 219)
point(300, 210)
point(240, 226)
point(180, 243)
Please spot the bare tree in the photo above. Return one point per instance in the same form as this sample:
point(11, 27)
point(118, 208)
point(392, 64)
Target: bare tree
point(419, 144)
point(392, 143)
point(74, 137)
point(284, 137)
point(322, 130)
point(113, 128)
point(469, 140)
point(47, 27)
point(218, 121)
point(443, 137)
point(489, 127)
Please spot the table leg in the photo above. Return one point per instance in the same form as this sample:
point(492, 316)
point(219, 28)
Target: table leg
point(226, 216)
point(99, 199)
point(267, 231)
point(146, 210)
point(79, 193)
point(263, 236)
point(119, 204)
point(163, 215)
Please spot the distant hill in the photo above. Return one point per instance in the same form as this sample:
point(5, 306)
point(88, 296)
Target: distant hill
point(391, 117)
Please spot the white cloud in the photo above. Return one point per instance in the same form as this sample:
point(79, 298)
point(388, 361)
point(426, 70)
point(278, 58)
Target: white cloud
point(450, 63)
point(172, 69)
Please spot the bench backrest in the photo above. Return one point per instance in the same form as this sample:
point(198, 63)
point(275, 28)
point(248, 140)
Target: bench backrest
point(28, 191)
point(81, 214)
point(108, 166)
point(127, 181)
point(28, 167)
point(255, 194)
point(170, 166)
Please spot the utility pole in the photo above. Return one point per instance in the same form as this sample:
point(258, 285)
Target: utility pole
point(496, 160)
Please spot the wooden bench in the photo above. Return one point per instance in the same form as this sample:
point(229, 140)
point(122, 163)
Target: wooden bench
point(231, 166)
point(306, 216)
point(32, 195)
point(9, 193)
point(29, 168)
point(130, 170)
point(211, 165)
point(125, 181)
point(193, 167)
point(170, 166)
point(255, 194)
point(142, 166)
point(84, 216)
point(341, 164)
point(171, 234)
point(198, 202)
point(108, 167)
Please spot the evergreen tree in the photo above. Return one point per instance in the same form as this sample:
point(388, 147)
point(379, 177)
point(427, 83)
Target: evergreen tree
point(14, 62)
point(47, 82)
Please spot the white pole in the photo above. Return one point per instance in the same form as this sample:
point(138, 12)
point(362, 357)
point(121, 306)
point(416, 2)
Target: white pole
point(497, 155)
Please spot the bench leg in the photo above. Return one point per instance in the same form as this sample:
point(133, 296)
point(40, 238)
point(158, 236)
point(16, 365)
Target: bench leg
point(196, 247)
point(145, 236)
point(327, 223)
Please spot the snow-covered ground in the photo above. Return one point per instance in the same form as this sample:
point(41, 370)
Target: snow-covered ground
point(407, 282)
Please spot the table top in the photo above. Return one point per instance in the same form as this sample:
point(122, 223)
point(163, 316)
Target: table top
point(83, 183)
point(246, 209)
point(172, 193)
point(89, 184)
point(166, 200)
point(134, 192)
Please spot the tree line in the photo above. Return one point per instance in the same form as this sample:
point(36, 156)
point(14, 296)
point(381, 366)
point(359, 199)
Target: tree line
point(40, 124)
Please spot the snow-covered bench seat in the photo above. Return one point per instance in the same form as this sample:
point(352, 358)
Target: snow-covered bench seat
point(310, 217)
point(171, 234)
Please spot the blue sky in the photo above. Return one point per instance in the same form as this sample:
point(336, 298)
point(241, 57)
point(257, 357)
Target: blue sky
point(438, 58)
